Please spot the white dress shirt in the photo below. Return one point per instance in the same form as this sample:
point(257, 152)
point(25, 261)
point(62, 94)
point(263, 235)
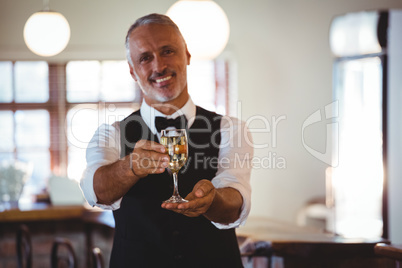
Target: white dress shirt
point(234, 164)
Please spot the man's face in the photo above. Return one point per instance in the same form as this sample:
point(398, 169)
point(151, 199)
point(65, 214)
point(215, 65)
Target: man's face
point(160, 60)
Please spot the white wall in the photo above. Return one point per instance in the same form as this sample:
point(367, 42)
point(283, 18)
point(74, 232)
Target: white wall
point(284, 69)
point(395, 128)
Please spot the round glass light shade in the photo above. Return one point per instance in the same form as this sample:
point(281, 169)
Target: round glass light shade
point(203, 24)
point(46, 33)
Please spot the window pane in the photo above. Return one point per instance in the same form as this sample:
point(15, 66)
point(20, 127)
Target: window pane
point(6, 78)
point(82, 122)
point(76, 163)
point(41, 167)
point(83, 81)
point(6, 157)
point(201, 83)
point(6, 131)
point(117, 83)
point(32, 128)
point(113, 114)
point(31, 81)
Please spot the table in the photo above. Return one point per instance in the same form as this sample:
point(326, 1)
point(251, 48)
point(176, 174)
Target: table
point(83, 225)
point(310, 247)
point(41, 211)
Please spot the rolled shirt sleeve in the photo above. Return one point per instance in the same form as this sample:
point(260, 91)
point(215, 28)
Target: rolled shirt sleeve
point(103, 149)
point(234, 170)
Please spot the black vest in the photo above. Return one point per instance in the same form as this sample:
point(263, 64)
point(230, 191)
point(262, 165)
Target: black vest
point(147, 235)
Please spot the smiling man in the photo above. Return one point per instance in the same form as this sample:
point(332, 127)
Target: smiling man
point(159, 64)
point(128, 172)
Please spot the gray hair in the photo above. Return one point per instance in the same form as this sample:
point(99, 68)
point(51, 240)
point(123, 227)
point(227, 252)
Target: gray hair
point(153, 18)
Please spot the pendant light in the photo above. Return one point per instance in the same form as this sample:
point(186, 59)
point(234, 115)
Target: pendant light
point(203, 24)
point(46, 33)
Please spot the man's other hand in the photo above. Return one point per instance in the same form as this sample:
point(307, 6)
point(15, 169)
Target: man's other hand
point(199, 200)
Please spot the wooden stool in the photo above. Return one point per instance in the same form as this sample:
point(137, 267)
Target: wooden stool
point(97, 258)
point(390, 251)
point(24, 247)
point(70, 259)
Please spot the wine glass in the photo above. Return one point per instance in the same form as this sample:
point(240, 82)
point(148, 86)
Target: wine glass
point(175, 142)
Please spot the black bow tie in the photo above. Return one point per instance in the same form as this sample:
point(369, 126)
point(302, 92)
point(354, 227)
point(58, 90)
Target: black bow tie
point(163, 123)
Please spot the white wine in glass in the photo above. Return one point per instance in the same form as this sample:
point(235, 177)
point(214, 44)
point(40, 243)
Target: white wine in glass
point(175, 142)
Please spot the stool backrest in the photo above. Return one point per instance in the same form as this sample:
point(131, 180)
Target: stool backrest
point(57, 258)
point(24, 247)
point(97, 258)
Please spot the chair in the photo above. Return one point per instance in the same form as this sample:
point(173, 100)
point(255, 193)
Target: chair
point(97, 258)
point(250, 251)
point(24, 247)
point(393, 252)
point(60, 259)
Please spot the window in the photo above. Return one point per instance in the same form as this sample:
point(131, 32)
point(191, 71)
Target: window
point(96, 92)
point(25, 116)
point(49, 112)
point(208, 84)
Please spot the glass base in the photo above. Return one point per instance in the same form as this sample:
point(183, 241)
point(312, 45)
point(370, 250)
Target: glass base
point(176, 199)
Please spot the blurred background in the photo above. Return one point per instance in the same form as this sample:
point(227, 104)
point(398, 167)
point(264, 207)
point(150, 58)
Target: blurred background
point(274, 73)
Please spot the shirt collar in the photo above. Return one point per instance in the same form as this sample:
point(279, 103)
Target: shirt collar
point(148, 114)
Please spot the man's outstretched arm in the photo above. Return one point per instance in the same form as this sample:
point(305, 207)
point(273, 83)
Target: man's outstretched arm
point(112, 181)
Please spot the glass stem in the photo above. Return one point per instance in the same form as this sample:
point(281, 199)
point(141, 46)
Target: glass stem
point(175, 185)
